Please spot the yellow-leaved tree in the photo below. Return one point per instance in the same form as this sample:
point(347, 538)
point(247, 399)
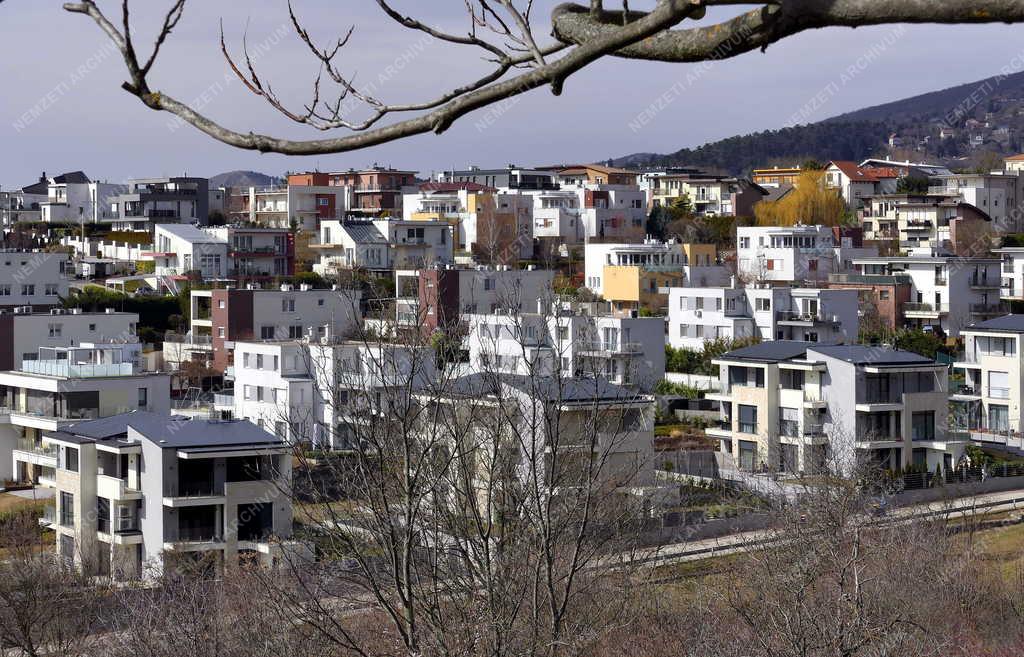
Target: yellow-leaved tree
point(810, 202)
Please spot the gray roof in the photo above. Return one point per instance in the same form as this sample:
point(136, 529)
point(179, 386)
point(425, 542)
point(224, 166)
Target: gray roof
point(773, 351)
point(190, 233)
point(1004, 324)
point(172, 431)
point(860, 354)
point(364, 233)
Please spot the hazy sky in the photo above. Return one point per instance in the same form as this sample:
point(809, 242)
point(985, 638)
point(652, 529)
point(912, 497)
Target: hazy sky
point(62, 108)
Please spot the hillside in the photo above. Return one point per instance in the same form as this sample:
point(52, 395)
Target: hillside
point(242, 179)
point(965, 126)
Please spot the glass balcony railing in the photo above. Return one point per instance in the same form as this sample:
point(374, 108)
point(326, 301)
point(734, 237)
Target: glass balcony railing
point(63, 368)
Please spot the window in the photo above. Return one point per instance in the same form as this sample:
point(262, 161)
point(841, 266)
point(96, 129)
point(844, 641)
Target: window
point(266, 333)
point(320, 302)
point(92, 327)
point(248, 393)
point(883, 295)
point(51, 290)
point(684, 330)
point(28, 290)
point(764, 304)
point(56, 330)
point(67, 511)
point(789, 422)
point(287, 305)
point(143, 397)
point(998, 417)
point(69, 459)
point(999, 385)
point(748, 419)
point(220, 304)
point(259, 361)
point(923, 426)
point(295, 332)
point(220, 331)
point(5, 290)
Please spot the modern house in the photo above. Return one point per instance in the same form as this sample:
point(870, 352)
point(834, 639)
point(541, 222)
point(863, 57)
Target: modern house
point(634, 276)
point(987, 407)
point(65, 385)
point(801, 407)
point(148, 202)
point(22, 333)
point(697, 315)
point(790, 254)
point(570, 340)
point(33, 279)
point(947, 292)
point(222, 317)
point(139, 494)
point(706, 194)
point(437, 299)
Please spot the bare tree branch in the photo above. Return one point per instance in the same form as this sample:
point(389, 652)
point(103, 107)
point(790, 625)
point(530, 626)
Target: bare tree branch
point(583, 33)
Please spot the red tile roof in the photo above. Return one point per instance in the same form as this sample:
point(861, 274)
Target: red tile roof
point(857, 174)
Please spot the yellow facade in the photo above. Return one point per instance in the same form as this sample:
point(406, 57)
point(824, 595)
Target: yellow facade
point(631, 287)
point(702, 255)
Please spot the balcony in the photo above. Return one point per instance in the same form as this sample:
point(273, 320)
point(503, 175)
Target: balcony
point(870, 279)
point(925, 309)
point(191, 340)
point(610, 348)
point(64, 369)
point(29, 452)
point(115, 488)
point(988, 309)
point(983, 283)
point(799, 318)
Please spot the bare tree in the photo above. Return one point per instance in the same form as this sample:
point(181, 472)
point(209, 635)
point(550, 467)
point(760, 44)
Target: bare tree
point(507, 35)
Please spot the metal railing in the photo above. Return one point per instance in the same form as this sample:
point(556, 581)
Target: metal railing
point(63, 368)
point(988, 308)
point(29, 445)
point(612, 347)
point(917, 307)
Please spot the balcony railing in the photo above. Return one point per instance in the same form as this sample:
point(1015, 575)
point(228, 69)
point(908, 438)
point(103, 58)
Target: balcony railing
point(201, 340)
point(63, 368)
point(612, 347)
point(29, 445)
point(797, 316)
point(988, 308)
point(925, 308)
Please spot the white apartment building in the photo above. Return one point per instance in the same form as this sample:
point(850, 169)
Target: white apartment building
point(314, 392)
point(221, 317)
point(414, 244)
point(800, 407)
point(987, 408)
point(33, 278)
point(557, 216)
point(181, 248)
point(140, 493)
point(18, 205)
point(503, 411)
point(787, 254)
point(917, 220)
point(700, 314)
point(382, 245)
point(478, 215)
point(73, 198)
point(1012, 272)
point(281, 206)
point(707, 194)
point(23, 333)
point(569, 341)
point(65, 385)
point(948, 292)
point(998, 194)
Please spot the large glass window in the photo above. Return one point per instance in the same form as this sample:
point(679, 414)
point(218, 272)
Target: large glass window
point(923, 425)
point(67, 510)
point(748, 419)
point(999, 385)
point(998, 417)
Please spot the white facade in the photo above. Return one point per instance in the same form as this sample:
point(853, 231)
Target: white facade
point(66, 385)
point(181, 248)
point(626, 351)
point(312, 392)
point(698, 315)
point(557, 215)
point(17, 205)
point(33, 278)
point(988, 406)
point(787, 254)
point(653, 255)
point(80, 202)
point(998, 194)
point(64, 328)
point(284, 205)
point(1012, 271)
point(799, 407)
point(142, 493)
point(948, 292)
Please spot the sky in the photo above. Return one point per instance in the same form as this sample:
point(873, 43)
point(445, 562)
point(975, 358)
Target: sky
point(62, 108)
